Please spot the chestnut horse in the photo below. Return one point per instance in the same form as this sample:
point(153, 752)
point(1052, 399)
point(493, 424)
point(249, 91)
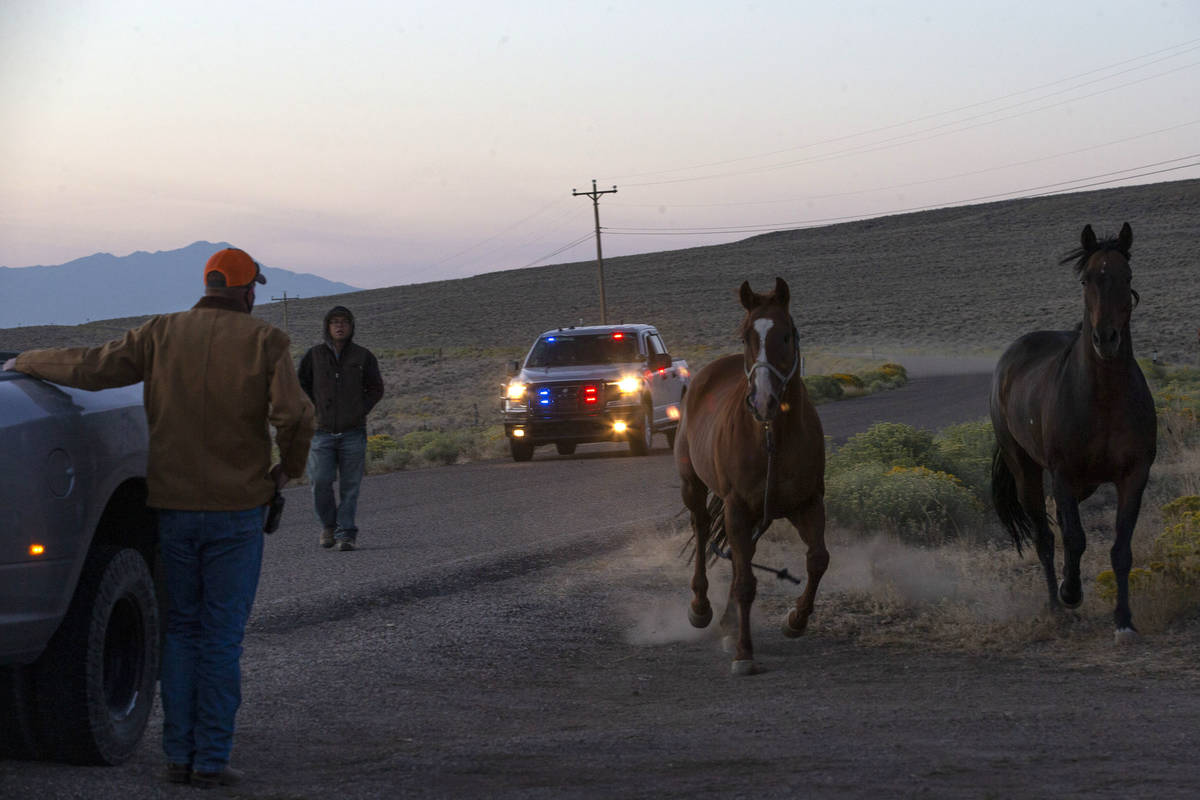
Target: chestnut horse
point(1075, 404)
point(750, 435)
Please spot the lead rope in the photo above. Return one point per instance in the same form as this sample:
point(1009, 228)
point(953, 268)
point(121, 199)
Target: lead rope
point(761, 527)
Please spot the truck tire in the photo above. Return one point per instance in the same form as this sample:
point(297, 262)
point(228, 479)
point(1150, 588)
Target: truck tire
point(521, 450)
point(641, 437)
point(565, 448)
point(95, 682)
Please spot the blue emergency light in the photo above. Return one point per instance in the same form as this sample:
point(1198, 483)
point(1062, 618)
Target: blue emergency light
point(543, 397)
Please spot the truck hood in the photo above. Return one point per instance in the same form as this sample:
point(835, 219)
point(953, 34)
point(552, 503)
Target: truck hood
point(23, 399)
point(582, 372)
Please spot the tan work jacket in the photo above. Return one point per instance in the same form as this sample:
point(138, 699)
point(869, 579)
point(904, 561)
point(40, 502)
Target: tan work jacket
point(214, 377)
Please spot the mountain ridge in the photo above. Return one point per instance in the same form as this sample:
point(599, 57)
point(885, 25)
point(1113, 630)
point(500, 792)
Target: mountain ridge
point(105, 286)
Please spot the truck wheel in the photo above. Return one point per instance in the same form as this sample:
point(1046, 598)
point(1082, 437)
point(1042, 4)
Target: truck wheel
point(520, 449)
point(95, 682)
point(641, 438)
point(565, 448)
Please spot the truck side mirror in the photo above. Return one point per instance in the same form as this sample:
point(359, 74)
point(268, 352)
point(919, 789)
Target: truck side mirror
point(514, 367)
point(658, 361)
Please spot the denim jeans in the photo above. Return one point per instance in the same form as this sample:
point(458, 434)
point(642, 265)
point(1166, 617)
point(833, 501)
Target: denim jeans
point(212, 561)
point(341, 457)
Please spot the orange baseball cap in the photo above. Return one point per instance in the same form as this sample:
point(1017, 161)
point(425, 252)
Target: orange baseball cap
point(236, 265)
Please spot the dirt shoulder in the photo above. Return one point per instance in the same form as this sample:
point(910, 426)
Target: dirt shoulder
point(586, 681)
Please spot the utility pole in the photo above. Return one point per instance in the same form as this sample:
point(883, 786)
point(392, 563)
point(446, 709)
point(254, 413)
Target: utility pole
point(595, 195)
point(285, 317)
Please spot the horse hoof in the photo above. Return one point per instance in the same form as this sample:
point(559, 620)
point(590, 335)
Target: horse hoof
point(789, 630)
point(1125, 636)
point(700, 620)
point(1068, 602)
point(744, 666)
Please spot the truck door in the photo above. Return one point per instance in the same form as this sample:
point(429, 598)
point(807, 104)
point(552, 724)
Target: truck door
point(660, 381)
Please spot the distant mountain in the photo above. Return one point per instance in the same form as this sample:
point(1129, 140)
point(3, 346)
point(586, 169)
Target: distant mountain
point(104, 286)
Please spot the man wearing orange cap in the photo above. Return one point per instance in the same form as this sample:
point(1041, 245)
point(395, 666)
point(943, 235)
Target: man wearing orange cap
point(215, 376)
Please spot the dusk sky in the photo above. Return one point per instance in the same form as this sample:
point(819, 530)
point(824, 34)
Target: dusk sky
point(391, 143)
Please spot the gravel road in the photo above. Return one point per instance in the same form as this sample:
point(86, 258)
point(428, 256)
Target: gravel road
point(518, 630)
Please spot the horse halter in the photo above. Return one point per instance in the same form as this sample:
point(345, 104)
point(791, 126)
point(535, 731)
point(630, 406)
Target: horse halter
point(769, 441)
point(784, 380)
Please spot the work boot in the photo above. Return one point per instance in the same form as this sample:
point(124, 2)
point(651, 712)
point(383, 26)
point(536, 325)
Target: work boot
point(345, 543)
point(226, 776)
point(178, 773)
point(327, 537)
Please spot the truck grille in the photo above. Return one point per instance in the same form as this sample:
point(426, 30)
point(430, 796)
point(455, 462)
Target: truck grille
point(563, 398)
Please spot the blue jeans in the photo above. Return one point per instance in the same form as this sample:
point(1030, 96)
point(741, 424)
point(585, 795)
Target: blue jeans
point(341, 457)
point(212, 561)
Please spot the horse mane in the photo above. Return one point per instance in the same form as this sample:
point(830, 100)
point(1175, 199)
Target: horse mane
point(1080, 255)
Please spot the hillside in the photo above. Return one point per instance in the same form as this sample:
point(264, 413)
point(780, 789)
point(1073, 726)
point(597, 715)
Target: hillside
point(964, 279)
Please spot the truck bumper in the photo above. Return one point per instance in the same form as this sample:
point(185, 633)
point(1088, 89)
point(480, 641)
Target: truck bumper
point(579, 428)
point(30, 597)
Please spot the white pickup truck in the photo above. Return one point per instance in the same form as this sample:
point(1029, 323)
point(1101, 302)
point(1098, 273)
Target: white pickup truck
point(594, 384)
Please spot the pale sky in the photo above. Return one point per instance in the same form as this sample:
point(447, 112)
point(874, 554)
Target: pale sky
point(401, 142)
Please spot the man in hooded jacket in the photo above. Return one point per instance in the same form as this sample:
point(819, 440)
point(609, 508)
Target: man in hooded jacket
point(342, 379)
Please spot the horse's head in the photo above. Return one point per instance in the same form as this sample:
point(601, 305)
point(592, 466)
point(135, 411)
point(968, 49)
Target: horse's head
point(772, 354)
point(1103, 269)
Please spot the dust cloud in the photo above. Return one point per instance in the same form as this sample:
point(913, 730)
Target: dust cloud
point(976, 578)
point(958, 582)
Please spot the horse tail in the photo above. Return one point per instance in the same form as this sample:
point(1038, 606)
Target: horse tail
point(716, 526)
point(716, 530)
point(1007, 502)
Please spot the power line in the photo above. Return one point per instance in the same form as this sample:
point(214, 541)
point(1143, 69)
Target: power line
point(1029, 192)
point(498, 233)
point(553, 229)
point(1183, 48)
point(910, 138)
point(562, 249)
point(926, 181)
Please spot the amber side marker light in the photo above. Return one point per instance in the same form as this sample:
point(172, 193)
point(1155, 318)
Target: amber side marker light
point(36, 549)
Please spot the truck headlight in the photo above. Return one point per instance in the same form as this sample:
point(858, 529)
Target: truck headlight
point(515, 391)
point(629, 384)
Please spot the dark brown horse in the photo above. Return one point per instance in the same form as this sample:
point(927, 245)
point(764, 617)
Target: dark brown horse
point(1074, 404)
point(750, 435)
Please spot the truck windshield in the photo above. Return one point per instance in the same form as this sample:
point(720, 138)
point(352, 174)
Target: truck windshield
point(561, 351)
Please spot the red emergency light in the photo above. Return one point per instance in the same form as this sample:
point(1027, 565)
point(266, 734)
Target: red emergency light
point(590, 395)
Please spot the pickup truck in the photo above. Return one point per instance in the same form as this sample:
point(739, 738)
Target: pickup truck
point(79, 602)
point(598, 383)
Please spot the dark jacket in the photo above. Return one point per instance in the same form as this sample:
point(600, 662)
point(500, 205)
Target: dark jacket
point(343, 388)
point(210, 447)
